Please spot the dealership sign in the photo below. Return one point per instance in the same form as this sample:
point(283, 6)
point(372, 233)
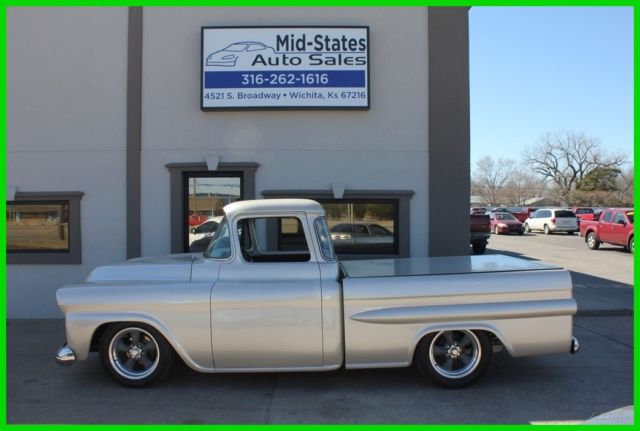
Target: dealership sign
point(285, 67)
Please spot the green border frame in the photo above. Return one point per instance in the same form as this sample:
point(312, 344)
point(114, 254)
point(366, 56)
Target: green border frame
point(3, 157)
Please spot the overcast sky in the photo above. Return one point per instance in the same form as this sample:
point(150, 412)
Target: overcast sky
point(548, 69)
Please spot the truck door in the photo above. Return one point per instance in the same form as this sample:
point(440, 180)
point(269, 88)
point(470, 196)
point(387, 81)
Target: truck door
point(619, 228)
point(266, 310)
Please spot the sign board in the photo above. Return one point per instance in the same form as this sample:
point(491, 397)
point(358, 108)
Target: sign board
point(285, 68)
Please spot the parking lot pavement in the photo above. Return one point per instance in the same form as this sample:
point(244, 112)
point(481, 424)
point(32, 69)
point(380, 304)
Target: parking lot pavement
point(547, 389)
point(602, 279)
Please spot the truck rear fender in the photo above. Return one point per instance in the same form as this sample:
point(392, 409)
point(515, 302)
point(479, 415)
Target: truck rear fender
point(471, 326)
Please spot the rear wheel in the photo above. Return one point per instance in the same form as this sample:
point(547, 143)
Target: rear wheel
point(630, 245)
point(453, 359)
point(496, 230)
point(135, 354)
point(547, 231)
point(592, 241)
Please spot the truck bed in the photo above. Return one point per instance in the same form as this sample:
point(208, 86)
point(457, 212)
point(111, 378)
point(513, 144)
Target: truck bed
point(439, 266)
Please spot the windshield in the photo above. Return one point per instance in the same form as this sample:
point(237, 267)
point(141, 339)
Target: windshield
point(236, 47)
point(220, 246)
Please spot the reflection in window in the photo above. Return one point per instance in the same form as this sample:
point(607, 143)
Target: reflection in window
point(207, 195)
point(35, 226)
point(359, 227)
point(273, 239)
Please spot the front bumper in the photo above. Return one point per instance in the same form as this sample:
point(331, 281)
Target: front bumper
point(65, 355)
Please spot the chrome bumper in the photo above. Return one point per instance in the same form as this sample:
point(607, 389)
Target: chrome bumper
point(65, 355)
point(575, 346)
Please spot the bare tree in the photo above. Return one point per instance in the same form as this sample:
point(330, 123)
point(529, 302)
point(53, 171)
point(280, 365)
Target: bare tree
point(566, 158)
point(522, 186)
point(490, 177)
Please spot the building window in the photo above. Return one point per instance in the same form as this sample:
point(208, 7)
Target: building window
point(206, 194)
point(362, 226)
point(198, 195)
point(44, 228)
point(364, 223)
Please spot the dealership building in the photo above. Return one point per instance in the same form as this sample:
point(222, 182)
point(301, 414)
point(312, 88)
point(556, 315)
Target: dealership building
point(128, 130)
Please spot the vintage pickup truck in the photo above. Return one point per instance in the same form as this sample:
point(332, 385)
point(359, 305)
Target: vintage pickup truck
point(615, 226)
point(263, 298)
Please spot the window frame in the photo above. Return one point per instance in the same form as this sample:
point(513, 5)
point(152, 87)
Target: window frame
point(72, 256)
point(185, 190)
point(177, 199)
point(403, 216)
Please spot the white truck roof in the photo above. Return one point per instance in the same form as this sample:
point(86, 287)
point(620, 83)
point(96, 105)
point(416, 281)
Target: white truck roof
point(273, 206)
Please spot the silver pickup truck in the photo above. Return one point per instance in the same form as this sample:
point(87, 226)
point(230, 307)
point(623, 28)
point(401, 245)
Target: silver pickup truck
point(269, 295)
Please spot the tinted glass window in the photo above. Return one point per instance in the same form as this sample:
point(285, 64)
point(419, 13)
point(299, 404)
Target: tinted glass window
point(362, 227)
point(607, 216)
point(565, 214)
point(544, 213)
point(205, 195)
point(619, 217)
point(38, 226)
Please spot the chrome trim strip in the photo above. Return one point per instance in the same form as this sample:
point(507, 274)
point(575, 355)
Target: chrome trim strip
point(464, 312)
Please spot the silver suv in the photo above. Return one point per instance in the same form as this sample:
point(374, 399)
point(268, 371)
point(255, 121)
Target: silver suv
point(550, 220)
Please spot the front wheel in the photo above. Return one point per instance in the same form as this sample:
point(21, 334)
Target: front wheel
point(135, 354)
point(453, 359)
point(496, 230)
point(527, 229)
point(592, 241)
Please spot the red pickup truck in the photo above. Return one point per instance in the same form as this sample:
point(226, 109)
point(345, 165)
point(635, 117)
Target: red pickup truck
point(615, 226)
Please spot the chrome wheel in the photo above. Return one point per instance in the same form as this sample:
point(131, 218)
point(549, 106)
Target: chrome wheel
point(455, 354)
point(547, 231)
point(134, 353)
point(527, 229)
point(592, 241)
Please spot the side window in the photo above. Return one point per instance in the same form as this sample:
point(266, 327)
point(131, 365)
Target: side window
point(607, 216)
point(619, 218)
point(273, 239)
point(545, 213)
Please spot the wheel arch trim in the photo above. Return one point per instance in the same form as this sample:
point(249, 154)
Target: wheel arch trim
point(81, 328)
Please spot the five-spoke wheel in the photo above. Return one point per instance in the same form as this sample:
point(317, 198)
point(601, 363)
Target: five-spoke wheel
point(135, 354)
point(454, 359)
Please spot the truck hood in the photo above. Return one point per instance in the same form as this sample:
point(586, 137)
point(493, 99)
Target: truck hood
point(173, 267)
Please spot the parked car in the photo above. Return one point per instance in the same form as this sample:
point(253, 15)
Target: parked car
point(196, 219)
point(480, 232)
point(520, 213)
point(204, 230)
point(584, 213)
point(615, 226)
point(551, 220)
point(504, 223)
point(361, 238)
point(246, 306)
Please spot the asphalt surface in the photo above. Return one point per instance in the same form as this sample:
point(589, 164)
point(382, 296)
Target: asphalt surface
point(547, 389)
